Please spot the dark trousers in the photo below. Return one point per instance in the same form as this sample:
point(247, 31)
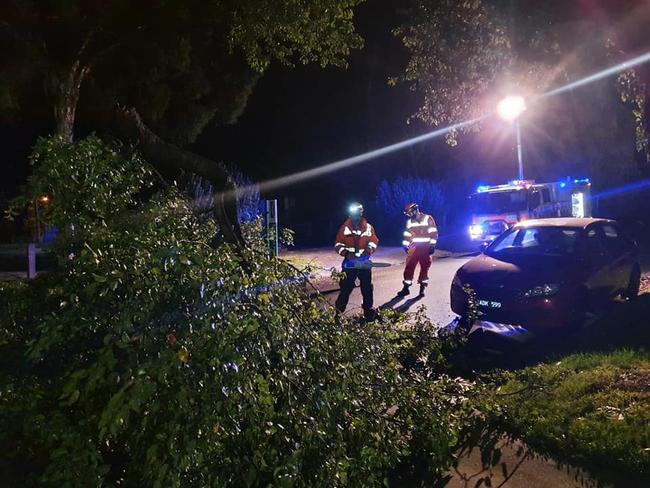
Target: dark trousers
point(348, 283)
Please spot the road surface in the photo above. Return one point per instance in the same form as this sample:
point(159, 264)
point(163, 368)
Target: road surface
point(387, 281)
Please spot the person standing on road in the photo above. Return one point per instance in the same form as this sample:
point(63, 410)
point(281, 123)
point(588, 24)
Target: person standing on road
point(356, 241)
point(420, 238)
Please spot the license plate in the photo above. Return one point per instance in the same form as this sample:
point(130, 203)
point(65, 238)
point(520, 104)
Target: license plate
point(489, 304)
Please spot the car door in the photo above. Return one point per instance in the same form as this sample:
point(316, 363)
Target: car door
point(598, 280)
point(619, 251)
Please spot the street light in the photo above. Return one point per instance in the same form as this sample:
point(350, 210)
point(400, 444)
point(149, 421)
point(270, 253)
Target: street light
point(510, 108)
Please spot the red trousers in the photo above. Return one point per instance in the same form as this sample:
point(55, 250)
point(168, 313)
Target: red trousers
point(417, 254)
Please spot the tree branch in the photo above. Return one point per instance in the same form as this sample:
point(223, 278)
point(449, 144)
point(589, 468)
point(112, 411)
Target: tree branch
point(161, 153)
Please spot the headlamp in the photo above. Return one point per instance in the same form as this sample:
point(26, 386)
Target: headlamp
point(355, 209)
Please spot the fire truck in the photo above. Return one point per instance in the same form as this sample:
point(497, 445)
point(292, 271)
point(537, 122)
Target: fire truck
point(496, 208)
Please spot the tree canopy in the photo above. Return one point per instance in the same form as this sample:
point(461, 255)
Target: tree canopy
point(182, 64)
point(464, 56)
point(157, 72)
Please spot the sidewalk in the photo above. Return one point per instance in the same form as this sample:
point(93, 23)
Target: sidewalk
point(518, 467)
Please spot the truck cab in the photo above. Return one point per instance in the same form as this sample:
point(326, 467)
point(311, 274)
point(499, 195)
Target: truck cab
point(495, 209)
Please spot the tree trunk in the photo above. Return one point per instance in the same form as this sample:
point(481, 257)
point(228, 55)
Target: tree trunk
point(66, 89)
point(158, 152)
point(65, 105)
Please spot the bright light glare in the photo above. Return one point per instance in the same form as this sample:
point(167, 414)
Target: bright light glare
point(622, 190)
point(294, 178)
point(355, 208)
point(631, 63)
point(475, 231)
point(511, 107)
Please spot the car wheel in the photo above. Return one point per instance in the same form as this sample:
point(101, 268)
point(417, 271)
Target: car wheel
point(632, 290)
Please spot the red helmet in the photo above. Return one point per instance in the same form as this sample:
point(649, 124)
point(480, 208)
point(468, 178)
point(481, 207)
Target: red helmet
point(410, 208)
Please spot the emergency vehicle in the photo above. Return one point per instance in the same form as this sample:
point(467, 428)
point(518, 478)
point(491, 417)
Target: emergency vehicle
point(497, 208)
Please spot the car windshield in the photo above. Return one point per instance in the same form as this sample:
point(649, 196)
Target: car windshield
point(543, 240)
point(498, 202)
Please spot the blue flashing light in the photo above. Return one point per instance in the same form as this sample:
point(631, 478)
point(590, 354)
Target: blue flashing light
point(563, 185)
point(482, 188)
point(581, 180)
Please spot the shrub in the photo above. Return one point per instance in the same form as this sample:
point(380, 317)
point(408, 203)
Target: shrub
point(89, 181)
point(393, 196)
point(150, 357)
point(249, 203)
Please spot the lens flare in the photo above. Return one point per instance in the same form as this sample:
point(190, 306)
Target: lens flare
point(518, 104)
point(621, 190)
point(300, 176)
point(630, 63)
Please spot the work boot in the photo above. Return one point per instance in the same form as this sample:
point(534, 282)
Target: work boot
point(423, 287)
point(404, 291)
point(369, 314)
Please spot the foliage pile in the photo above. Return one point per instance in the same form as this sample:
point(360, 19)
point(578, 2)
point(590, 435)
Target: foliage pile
point(591, 408)
point(150, 357)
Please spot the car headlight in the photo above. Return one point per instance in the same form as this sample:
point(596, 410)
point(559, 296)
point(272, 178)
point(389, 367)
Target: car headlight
point(475, 230)
point(545, 290)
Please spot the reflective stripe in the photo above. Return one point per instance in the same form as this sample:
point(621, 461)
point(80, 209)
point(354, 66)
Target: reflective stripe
point(405, 243)
point(407, 233)
point(372, 245)
point(433, 229)
point(410, 224)
point(341, 251)
point(434, 241)
point(347, 231)
point(351, 249)
point(421, 239)
point(424, 282)
point(339, 244)
point(408, 282)
point(367, 232)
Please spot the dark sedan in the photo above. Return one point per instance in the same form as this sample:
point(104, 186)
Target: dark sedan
point(550, 273)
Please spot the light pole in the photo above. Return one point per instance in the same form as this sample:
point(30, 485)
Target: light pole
point(510, 108)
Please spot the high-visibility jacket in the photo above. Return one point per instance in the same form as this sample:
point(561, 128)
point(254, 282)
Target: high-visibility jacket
point(421, 230)
point(359, 240)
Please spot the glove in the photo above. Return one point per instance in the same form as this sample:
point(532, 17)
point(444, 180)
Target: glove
point(432, 249)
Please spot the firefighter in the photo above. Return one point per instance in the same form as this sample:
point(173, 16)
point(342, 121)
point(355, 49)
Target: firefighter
point(420, 238)
point(356, 241)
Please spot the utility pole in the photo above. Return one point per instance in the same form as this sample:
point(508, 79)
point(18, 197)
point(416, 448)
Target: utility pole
point(519, 150)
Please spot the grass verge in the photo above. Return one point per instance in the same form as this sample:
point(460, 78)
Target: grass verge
point(591, 408)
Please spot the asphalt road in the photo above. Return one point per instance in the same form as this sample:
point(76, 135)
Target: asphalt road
point(387, 281)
